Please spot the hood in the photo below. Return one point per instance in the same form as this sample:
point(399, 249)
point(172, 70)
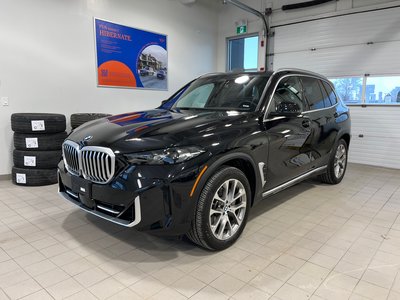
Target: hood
point(159, 128)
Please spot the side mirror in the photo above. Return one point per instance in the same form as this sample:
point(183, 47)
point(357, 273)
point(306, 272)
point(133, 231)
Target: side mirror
point(288, 109)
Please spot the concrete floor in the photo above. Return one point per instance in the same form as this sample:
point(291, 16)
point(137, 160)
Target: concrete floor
point(312, 241)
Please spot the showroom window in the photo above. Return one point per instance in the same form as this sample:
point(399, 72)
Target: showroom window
point(382, 90)
point(376, 89)
point(243, 53)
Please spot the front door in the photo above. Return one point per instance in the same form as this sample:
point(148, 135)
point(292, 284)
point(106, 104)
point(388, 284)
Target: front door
point(289, 133)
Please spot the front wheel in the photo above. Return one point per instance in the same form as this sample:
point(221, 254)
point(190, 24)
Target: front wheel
point(337, 164)
point(222, 210)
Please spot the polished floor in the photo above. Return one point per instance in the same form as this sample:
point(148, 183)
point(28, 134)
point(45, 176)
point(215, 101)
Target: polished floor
point(312, 241)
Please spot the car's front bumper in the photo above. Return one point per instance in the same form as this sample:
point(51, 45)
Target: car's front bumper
point(136, 199)
point(75, 200)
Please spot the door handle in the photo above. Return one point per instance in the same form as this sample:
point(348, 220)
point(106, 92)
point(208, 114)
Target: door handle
point(306, 123)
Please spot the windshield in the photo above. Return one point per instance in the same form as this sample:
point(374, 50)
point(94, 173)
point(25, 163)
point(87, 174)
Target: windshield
point(242, 92)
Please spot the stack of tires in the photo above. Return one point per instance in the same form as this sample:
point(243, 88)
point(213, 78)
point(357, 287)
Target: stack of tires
point(81, 118)
point(38, 139)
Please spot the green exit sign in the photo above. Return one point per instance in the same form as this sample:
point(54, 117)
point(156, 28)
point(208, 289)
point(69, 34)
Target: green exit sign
point(241, 29)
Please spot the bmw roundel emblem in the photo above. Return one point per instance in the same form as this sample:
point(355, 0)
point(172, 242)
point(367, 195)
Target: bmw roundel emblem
point(89, 137)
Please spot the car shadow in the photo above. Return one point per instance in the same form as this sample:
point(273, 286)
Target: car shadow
point(279, 198)
point(98, 232)
point(114, 242)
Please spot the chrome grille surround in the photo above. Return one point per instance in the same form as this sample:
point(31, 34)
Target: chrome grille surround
point(96, 164)
point(70, 151)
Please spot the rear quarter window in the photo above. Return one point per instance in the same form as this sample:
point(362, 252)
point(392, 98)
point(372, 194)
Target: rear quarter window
point(331, 93)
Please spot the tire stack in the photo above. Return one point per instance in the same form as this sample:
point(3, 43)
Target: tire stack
point(81, 118)
point(38, 139)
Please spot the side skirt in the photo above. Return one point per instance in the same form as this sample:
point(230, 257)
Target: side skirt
point(293, 181)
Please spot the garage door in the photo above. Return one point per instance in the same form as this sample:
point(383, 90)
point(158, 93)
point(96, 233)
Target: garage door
point(352, 45)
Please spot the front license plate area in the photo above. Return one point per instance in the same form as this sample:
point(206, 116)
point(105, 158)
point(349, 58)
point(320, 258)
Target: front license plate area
point(82, 187)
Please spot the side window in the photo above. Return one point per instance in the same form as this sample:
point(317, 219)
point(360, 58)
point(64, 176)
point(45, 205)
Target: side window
point(313, 93)
point(329, 90)
point(327, 101)
point(288, 91)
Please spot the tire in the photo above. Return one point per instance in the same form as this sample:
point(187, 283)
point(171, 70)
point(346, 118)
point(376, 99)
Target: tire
point(331, 175)
point(33, 177)
point(37, 159)
point(201, 231)
point(38, 123)
point(39, 141)
point(79, 119)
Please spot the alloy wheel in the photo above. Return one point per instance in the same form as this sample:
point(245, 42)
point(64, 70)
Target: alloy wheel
point(340, 161)
point(228, 209)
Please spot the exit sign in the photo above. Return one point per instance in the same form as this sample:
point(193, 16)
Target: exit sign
point(241, 26)
point(241, 29)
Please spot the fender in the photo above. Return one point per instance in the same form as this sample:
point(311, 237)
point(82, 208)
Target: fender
point(212, 166)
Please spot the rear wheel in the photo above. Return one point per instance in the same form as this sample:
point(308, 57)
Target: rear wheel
point(337, 164)
point(222, 210)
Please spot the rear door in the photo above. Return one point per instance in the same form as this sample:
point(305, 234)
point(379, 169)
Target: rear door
point(322, 117)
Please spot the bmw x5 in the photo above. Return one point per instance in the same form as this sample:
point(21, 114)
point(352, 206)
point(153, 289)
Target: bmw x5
point(201, 161)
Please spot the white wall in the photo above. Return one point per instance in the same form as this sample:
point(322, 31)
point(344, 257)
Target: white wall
point(47, 61)
point(341, 50)
point(341, 44)
point(380, 143)
point(47, 57)
point(341, 6)
point(229, 14)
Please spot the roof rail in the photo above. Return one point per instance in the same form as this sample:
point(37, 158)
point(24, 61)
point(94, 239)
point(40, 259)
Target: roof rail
point(211, 73)
point(300, 70)
point(233, 72)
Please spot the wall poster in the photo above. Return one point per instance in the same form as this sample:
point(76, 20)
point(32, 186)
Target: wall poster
point(129, 57)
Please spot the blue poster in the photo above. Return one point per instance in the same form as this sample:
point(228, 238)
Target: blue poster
point(130, 57)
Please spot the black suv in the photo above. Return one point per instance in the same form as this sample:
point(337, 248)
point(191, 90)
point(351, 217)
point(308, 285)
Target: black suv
point(197, 164)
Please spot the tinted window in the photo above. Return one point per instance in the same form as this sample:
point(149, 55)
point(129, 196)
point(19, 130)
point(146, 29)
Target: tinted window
point(288, 90)
point(327, 101)
point(329, 90)
point(313, 93)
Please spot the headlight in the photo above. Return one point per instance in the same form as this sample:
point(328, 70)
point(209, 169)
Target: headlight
point(166, 156)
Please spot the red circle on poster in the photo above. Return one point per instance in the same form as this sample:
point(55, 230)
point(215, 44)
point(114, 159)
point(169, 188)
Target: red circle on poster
point(115, 73)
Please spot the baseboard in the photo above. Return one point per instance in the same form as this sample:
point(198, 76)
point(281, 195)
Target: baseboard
point(5, 177)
